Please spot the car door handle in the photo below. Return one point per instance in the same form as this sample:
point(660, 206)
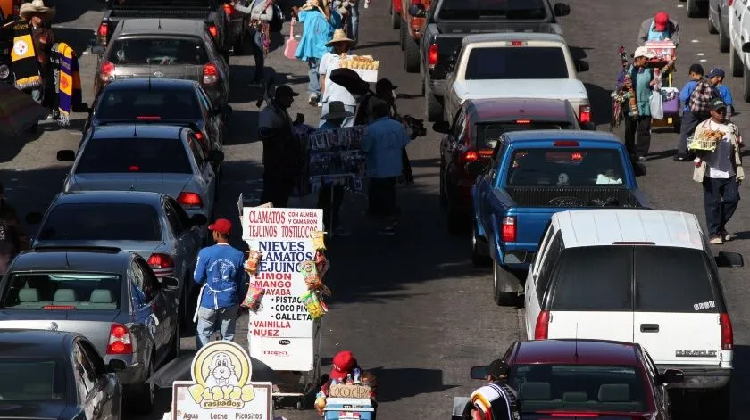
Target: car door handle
point(649, 328)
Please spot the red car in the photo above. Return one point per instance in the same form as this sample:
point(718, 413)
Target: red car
point(585, 380)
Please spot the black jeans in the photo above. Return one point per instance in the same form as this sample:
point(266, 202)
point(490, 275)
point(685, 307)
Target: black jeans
point(330, 199)
point(276, 189)
point(638, 136)
point(408, 175)
point(382, 195)
point(688, 123)
point(257, 45)
point(720, 198)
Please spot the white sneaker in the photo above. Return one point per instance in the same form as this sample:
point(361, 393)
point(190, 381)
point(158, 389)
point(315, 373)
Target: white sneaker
point(367, 4)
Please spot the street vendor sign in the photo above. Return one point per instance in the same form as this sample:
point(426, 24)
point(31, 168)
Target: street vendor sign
point(221, 388)
point(281, 332)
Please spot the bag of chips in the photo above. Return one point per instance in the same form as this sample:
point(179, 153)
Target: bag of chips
point(252, 298)
point(318, 242)
point(312, 304)
point(307, 268)
point(321, 263)
point(252, 262)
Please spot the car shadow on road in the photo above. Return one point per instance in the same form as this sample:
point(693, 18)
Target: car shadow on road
point(400, 383)
point(243, 127)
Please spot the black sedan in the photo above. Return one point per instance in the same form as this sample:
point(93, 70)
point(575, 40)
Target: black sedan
point(162, 101)
point(56, 375)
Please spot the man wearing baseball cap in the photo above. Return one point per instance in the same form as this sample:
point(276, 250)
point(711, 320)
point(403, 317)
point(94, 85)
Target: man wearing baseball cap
point(716, 77)
point(659, 28)
point(219, 270)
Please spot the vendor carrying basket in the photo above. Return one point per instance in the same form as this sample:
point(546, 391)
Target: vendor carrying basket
point(701, 144)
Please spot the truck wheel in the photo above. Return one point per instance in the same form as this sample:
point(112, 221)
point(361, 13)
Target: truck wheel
point(711, 28)
point(735, 63)
point(479, 258)
point(432, 107)
point(402, 35)
point(502, 277)
point(412, 58)
point(723, 37)
point(395, 18)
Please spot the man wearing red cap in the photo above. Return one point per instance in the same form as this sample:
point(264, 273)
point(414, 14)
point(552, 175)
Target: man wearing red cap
point(344, 364)
point(660, 28)
point(219, 269)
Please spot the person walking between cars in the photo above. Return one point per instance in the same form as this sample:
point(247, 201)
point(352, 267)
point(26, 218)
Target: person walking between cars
point(320, 22)
point(220, 270)
point(330, 90)
point(281, 152)
point(32, 47)
point(261, 14)
point(638, 126)
point(331, 196)
point(659, 28)
point(720, 172)
point(697, 95)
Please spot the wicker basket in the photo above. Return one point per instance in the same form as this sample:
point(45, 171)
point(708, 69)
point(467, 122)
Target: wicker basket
point(701, 144)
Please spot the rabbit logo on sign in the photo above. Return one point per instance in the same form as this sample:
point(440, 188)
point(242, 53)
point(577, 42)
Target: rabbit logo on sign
point(221, 372)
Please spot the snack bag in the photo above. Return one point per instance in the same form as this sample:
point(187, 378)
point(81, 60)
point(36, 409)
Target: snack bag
point(321, 263)
point(253, 298)
point(318, 242)
point(312, 304)
point(253, 259)
point(307, 268)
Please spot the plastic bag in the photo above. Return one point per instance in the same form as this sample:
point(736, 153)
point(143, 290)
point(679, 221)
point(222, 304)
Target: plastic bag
point(252, 298)
point(312, 304)
point(321, 263)
point(657, 107)
point(253, 259)
point(318, 242)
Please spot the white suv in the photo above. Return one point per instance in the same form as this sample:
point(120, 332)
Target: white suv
point(644, 276)
point(739, 43)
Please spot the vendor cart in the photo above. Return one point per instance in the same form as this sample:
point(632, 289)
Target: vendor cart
point(664, 55)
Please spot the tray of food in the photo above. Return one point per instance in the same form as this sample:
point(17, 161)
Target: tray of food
point(707, 141)
point(364, 65)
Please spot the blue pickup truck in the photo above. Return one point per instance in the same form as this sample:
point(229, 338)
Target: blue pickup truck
point(535, 174)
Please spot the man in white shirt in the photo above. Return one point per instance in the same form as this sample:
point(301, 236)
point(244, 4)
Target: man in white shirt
point(331, 91)
point(720, 172)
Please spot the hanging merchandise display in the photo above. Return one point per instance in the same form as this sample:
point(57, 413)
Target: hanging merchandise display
point(313, 271)
point(336, 158)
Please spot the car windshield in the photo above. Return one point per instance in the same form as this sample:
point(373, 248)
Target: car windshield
point(514, 63)
point(146, 104)
point(158, 51)
point(101, 222)
point(62, 291)
point(565, 167)
point(134, 154)
point(489, 134)
point(578, 387)
point(502, 9)
point(31, 380)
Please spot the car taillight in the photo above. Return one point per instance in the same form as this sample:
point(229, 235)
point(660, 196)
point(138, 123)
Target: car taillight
point(103, 29)
point(509, 229)
point(119, 340)
point(432, 56)
point(199, 136)
point(523, 121)
point(584, 114)
point(542, 326)
point(210, 74)
point(213, 31)
point(470, 156)
point(516, 43)
point(190, 199)
point(148, 118)
point(727, 335)
point(106, 71)
point(565, 143)
point(158, 260)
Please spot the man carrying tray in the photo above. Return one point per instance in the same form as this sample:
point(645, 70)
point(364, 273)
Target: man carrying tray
point(331, 91)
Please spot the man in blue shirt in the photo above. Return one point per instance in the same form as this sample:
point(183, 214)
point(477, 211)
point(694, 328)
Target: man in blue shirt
point(690, 118)
point(716, 77)
point(220, 271)
point(383, 143)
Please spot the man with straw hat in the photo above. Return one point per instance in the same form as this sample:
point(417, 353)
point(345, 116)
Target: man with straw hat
point(32, 47)
point(330, 90)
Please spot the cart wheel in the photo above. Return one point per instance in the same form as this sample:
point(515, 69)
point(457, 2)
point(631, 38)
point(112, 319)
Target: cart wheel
point(300, 404)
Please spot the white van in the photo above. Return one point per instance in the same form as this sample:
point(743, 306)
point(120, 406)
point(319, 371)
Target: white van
point(644, 276)
point(739, 43)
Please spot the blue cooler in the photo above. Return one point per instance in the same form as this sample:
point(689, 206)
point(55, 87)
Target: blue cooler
point(348, 409)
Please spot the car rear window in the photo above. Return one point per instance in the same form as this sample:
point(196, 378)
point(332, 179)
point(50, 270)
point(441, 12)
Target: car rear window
point(672, 279)
point(31, 380)
point(503, 9)
point(135, 154)
point(594, 278)
point(148, 104)
point(565, 167)
point(516, 63)
point(101, 222)
point(488, 134)
point(610, 389)
point(158, 51)
point(62, 291)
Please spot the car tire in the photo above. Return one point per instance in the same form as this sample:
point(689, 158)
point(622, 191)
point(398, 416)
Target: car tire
point(711, 28)
point(143, 395)
point(395, 18)
point(723, 37)
point(735, 63)
point(693, 10)
point(478, 257)
point(402, 35)
point(433, 109)
point(503, 298)
point(412, 58)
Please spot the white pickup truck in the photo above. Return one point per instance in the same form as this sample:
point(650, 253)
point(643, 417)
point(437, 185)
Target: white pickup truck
point(517, 65)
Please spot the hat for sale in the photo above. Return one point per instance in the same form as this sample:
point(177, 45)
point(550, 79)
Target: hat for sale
point(716, 73)
point(661, 20)
point(343, 363)
point(643, 52)
point(718, 104)
point(221, 226)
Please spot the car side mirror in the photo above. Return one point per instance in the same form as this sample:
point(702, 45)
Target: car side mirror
point(34, 218)
point(746, 47)
point(216, 156)
point(561, 9)
point(198, 220)
point(97, 50)
point(442, 127)
point(479, 372)
point(672, 376)
point(728, 259)
point(417, 11)
point(474, 168)
point(116, 365)
point(170, 282)
point(582, 66)
point(66, 156)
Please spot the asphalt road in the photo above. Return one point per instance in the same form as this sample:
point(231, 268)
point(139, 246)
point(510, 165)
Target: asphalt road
point(411, 307)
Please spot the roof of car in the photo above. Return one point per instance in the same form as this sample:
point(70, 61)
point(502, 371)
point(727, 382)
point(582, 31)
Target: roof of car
point(129, 197)
point(125, 130)
point(513, 36)
point(561, 135)
point(590, 352)
point(81, 259)
point(33, 343)
point(145, 82)
point(610, 226)
point(174, 27)
point(519, 108)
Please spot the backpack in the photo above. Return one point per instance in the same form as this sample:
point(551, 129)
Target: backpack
point(277, 20)
point(700, 99)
